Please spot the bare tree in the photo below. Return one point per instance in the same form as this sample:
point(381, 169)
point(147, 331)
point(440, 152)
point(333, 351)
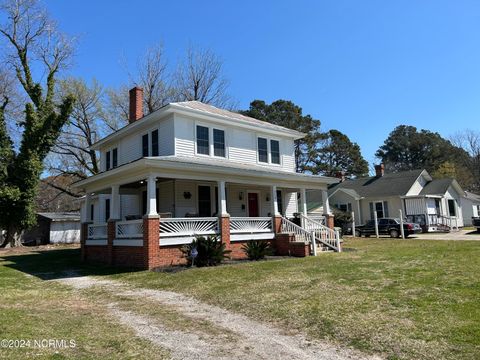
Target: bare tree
point(71, 156)
point(200, 78)
point(150, 73)
point(469, 140)
point(36, 52)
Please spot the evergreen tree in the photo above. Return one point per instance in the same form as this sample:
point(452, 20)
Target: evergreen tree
point(338, 154)
point(286, 113)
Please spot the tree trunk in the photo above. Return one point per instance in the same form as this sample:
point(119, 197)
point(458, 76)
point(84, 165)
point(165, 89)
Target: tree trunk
point(12, 237)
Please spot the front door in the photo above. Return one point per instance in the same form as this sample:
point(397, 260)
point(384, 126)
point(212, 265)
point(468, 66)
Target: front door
point(204, 201)
point(253, 205)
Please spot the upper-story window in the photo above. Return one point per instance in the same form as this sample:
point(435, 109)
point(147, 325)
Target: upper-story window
point(203, 144)
point(107, 161)
point(275, 151)
point(218, 142)
point(262, 150)
point(145, 145)
point(155, 143)
point(111, 159)
point(205, 147)
point(114, 158)
point(268, 151)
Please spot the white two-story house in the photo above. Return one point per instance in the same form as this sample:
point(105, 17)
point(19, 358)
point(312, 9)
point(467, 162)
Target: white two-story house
point(191, 169)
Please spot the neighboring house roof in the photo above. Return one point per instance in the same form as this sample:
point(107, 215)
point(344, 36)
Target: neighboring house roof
point(472, 196)
point(437, 187)
point(60, 216)
point(393, 184)
point(193, 108)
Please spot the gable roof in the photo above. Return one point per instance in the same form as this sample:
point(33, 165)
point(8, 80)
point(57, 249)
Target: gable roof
point(393, 184)
point(202, 110)
point(472, 196)
point(437, 187)
point(61, 216)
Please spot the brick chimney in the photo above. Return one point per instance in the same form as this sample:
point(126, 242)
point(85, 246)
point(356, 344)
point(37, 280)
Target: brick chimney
point(136, 104)
point(340, 175)
point(379, 170)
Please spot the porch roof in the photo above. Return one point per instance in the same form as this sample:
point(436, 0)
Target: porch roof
point(202, 169)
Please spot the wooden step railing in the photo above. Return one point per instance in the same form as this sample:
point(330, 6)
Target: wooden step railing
point(323, 234)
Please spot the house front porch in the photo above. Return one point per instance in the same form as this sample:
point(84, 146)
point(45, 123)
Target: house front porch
point(145, 219)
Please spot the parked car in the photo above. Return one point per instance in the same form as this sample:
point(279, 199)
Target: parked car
point(387, 226)
point(476, 223)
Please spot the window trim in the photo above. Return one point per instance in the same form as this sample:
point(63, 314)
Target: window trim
point(224, 142)
point(269, 151)
point(375, 208)
point(258, 150)
point(147, 134)
point(211, 148)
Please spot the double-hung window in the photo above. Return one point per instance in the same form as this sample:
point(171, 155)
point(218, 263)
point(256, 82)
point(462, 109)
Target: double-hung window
point(218, 142)
point(268, 151)
point(215, 146)
point(155, 143)
point(203, 142)
point(115, 157)
point(145, 145)
point(275, 151)
point(262, 150)
point(107, 160)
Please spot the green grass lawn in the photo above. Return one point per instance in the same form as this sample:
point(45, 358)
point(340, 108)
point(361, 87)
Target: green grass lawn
point(403, 299)
point(33, 309)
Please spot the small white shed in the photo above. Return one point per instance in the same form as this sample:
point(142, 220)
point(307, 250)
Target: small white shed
point(54, 228)
point(470, 207)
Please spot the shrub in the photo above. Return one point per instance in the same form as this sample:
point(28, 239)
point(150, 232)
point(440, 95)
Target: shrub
point(211, 251)
point(256, 250)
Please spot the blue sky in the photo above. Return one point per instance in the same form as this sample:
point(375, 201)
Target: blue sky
point(362, 67)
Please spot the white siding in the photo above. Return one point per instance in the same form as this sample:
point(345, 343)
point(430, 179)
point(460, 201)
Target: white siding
point(291, 203)
point(182, 205)
point(241, 144)
point(64, 232)
point(166, 199)
point(166, 137)
point(184, 136)
point(130, 205)
point(417, 186)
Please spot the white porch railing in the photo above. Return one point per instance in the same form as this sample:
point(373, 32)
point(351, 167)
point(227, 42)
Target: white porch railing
point(300, 233)
point(250, 225)
point(317, 218)
point(323, 234)
point(131, 229)
point(450, 222)
point(97, 231)
point(177, 227)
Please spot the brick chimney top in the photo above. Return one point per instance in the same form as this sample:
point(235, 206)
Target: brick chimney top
point(340, 175)
point(379, 170)
point(136, 104)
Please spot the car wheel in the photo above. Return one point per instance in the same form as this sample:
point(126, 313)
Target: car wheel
point(394, 233)
point(358, 233)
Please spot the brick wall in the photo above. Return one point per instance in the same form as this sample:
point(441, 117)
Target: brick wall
point(129, 256)
point(329, 219)
point(96, 254)
point(225, 230)
point(151, 242)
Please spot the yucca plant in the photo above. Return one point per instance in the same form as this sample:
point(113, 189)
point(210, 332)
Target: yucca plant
point(210, 251)
point(257, 249)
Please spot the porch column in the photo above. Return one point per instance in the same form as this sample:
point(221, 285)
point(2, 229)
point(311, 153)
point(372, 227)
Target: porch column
point(151, 227)
point(224, 217)
point(274, 204)
point(326, 210)
point(111, 222)
point(115, 203)
point(151, 196)
point(303, 201)
point(84, 226)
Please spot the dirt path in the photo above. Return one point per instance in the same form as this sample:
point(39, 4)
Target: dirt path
point(244, 338)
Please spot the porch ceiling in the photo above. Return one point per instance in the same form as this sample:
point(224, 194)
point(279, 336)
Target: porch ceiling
point(202, 169)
